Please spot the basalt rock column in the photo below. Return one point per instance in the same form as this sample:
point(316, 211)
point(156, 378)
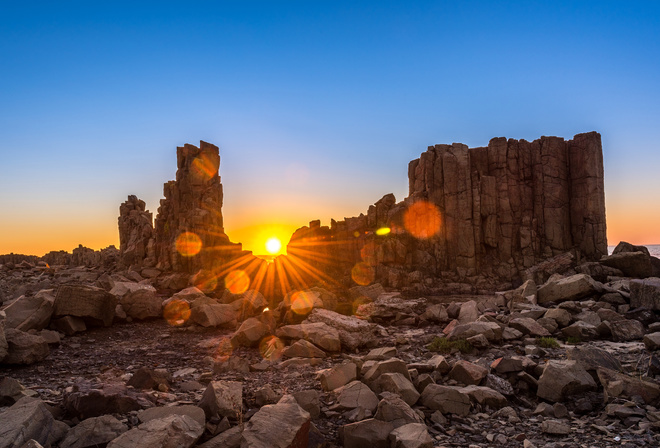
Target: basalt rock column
point(136, 234)
point(502, 209)
point(189, 227)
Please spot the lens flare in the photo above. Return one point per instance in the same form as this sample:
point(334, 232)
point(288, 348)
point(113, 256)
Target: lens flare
point(273, 245)
point(237, 282)
point(271, 348)
point(422, 220)
point(206, 281)
point(205, 166)
point(188, 244)
point(368, 253)
point(302, 302)
point(383, 231)
point(363, 274)
point(224, 350)
point(176, 312)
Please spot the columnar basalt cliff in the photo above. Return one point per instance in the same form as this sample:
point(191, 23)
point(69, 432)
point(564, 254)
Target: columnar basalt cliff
point(493, 211)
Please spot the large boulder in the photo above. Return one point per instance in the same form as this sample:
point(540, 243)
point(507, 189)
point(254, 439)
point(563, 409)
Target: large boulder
point(394, 410)
point(92, 400)
point(212, 314)
point(319, 333)
point(446, 399)
point(356, 395)
point(562, 379)
point(412, 435)
point(93, 432)
point(617, 385)
point(250, 332)
point(174, 431)
point(142, 304)
point(25, 348)
point(32, 312)
point(633, 261)
point(645, 293)
point(222, 398)
point(370, 433)
point(574, 287)
point(94, 305)
point(353, 332)
point(27, 419)
point(281, 425)
point(490, 330)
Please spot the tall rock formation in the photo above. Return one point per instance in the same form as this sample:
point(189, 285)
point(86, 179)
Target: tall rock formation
point(494, 211)
point(136, 234)
point(189, 232)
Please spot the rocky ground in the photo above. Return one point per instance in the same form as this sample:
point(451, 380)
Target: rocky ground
point(95, 359)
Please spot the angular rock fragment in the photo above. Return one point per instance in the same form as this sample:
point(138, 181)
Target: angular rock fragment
point(529, 327)
point(94, 305)
point(446, 399)
point(32, 312)
point(575, 287)
point(27, 419)
point(412, 435)
point(94, 432)
point(397, 384)
point(223, 398)
point(142, 304)
point(24, 348)
point(319, 334)
point(281, 425)
point(180, 431)
point(250, 332)
point(303, 349)
point(394, 410)
point(337, 376)
point(356, 394)
point(561, 379)
point(353, 332)
point(87, 400)
point(194, 412)
point(467, 373)
point(617, 384)
point(366, 433)
point(645, 293)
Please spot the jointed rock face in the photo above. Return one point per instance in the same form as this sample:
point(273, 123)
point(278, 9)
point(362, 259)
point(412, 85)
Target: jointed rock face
point(496, 210)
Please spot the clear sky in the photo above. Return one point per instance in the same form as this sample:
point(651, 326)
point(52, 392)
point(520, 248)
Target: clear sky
point(317, 107)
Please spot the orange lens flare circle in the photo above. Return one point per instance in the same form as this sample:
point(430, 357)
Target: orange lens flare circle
point(176, 312)
point(271, 348)
point(422, 220)
point(368, 253)
point(302, 302)
point(188, 244)
point(363, 274)
point(237, 282)
point(224, 350)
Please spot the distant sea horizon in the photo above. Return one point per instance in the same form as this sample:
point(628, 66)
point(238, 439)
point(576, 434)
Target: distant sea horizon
point(654, 249)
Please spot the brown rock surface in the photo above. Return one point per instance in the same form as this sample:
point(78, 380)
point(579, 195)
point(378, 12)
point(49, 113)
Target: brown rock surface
point(136, 234)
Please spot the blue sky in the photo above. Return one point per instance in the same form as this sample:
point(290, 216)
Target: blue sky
point(317, 106)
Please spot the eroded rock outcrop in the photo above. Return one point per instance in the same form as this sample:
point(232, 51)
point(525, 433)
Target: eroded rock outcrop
point(497, 210)
point(136, 234)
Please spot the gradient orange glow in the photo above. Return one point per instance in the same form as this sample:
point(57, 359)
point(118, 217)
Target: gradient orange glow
point(422, 220)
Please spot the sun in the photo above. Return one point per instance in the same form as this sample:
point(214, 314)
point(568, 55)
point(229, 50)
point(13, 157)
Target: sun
point(273, 245)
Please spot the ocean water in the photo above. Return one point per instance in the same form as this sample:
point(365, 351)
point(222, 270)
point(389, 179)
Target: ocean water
point(654, 249)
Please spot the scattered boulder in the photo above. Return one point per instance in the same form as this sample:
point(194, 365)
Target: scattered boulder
point(11, 391)
point(626, 330)
point(223, 398)
point(491, 330)
point(580, 330)
point(4, 346)
point(28, 419)
point(632, 264)
point(309, 401)
point(652, 341)
point(396, 411)
point(68, 325)
point(353, 332)
point(194, 412)
point(446, 399)
point(24, 348)
point(528, 326)
point(485, 396)
point(397, 384)
point(94, 432)
point(31, 312)
point(86, 400)
point(468, 373)
point(142, 304)
point(366, 433)
point(561, 379)
point(412, 435)
point(145, 378)
point(356, 394)
point(303, 349)
point(281, 425)
point(94, 305)
point(617, 384)
point(319, 334)
point(208, 313)
point(337, 376)
point(251, 331)
point(574, 287)
point(645, 293)
point(179, 431)
point(590, 358)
